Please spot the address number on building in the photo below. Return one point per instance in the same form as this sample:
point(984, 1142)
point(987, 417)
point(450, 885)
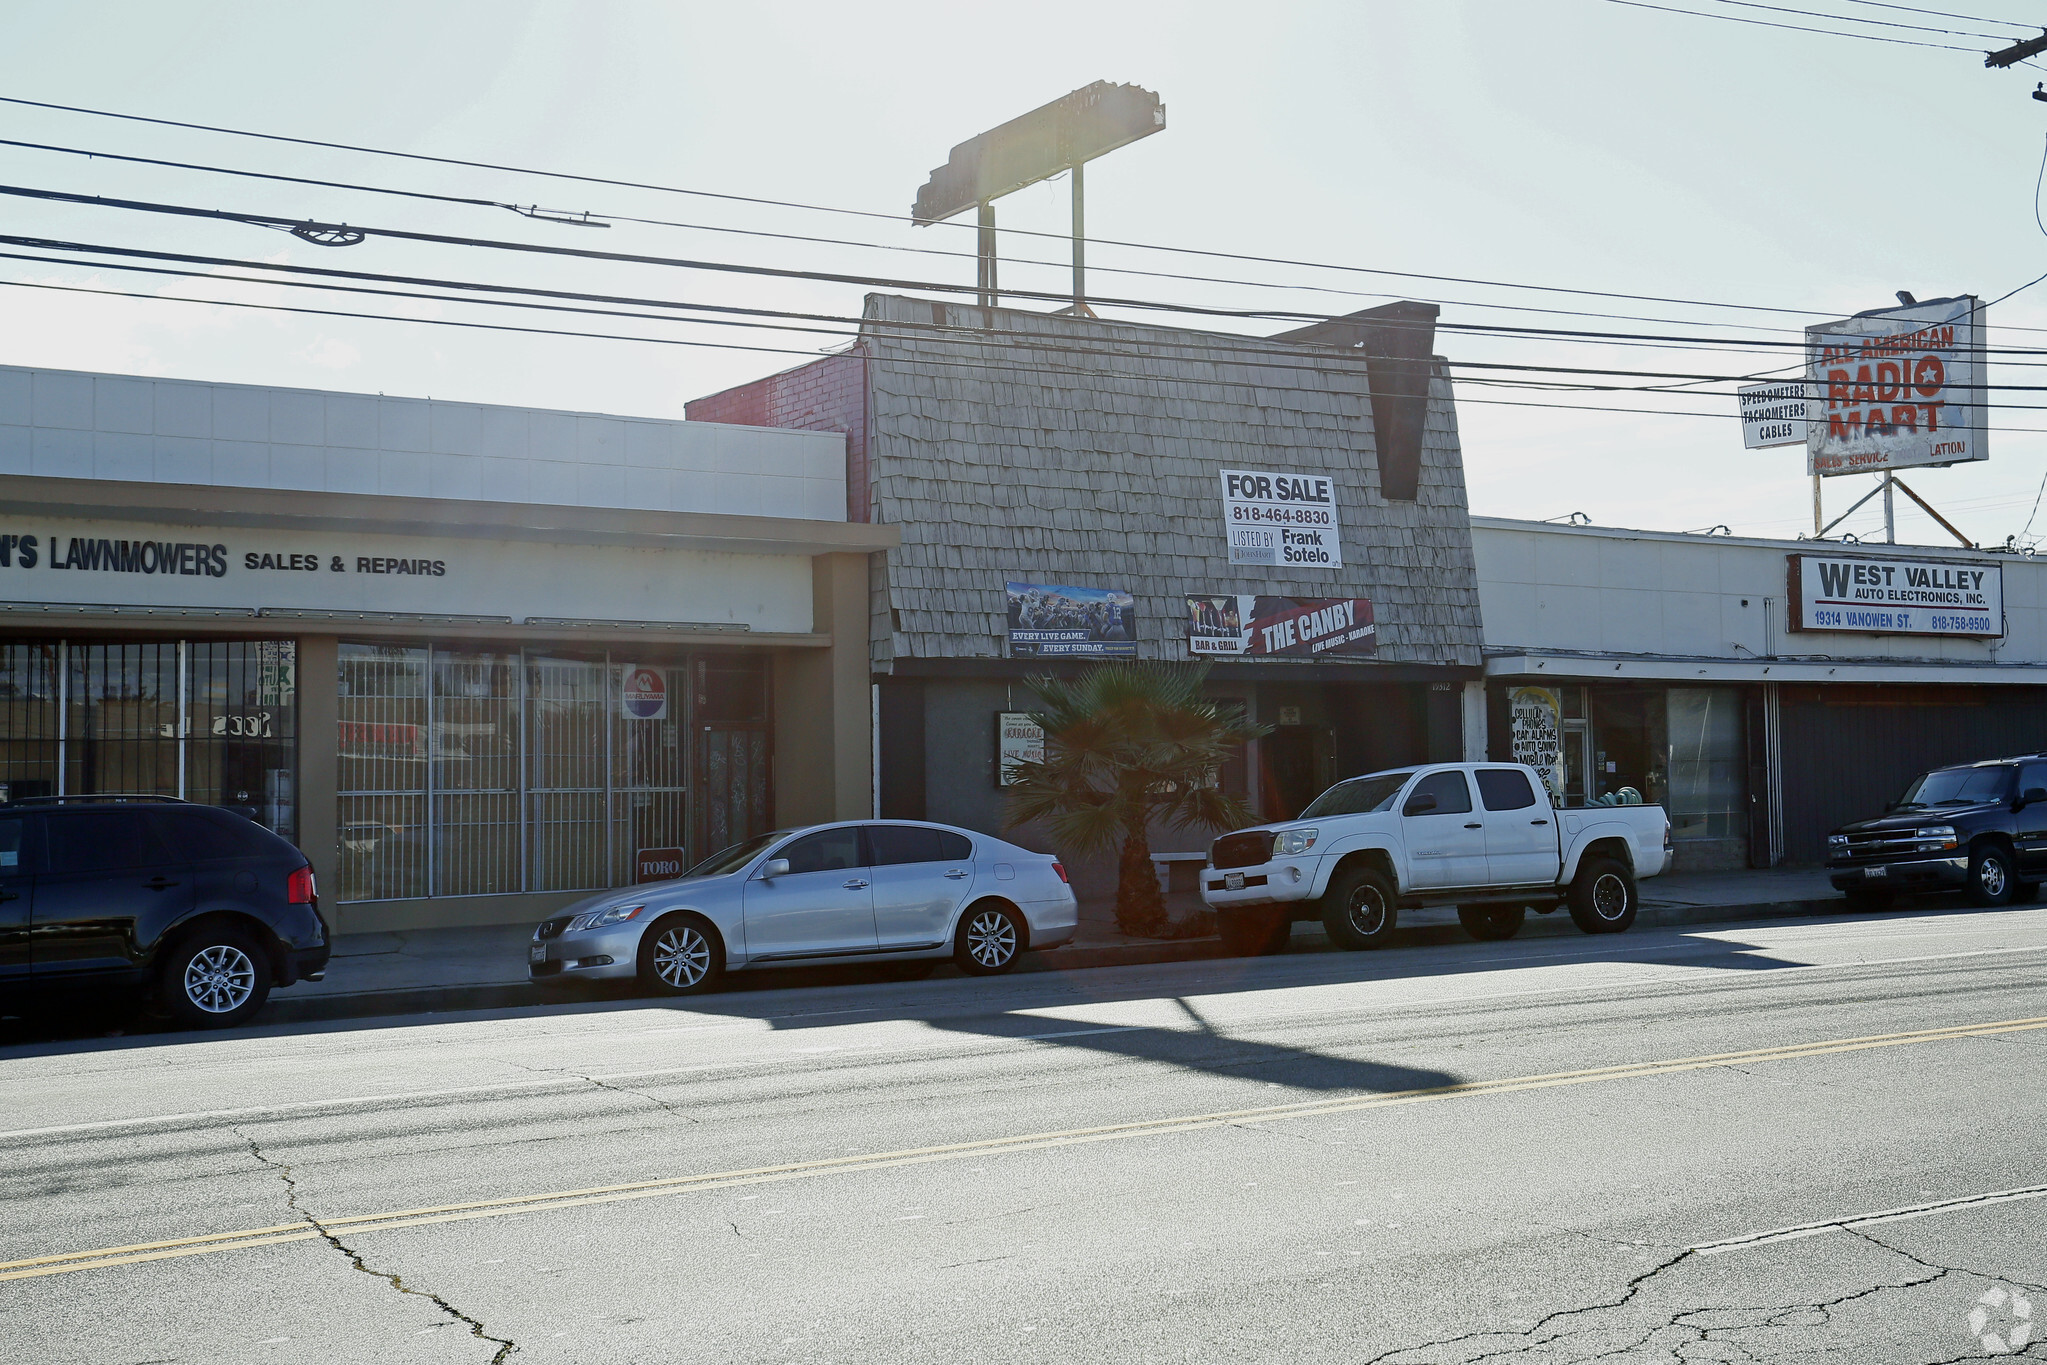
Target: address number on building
point(260, 725)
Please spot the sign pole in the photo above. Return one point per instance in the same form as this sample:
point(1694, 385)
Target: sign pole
point(1890, 516)
point(1816, 514)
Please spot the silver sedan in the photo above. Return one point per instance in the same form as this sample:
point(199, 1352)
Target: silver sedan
point(865, 891)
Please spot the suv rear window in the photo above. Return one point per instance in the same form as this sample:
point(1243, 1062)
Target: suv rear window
point(207, 835)
point(101, 840)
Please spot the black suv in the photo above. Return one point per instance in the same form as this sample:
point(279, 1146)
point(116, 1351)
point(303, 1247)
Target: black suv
point(1981, 828)
point(201, 907)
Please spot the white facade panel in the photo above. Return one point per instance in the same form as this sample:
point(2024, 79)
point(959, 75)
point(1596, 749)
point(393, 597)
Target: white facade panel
point(1575, 589)
point(61, 424)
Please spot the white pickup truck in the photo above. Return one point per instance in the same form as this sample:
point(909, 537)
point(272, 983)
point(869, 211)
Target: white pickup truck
point(1480, 836)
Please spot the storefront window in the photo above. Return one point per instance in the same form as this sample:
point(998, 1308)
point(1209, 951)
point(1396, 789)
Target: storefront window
point(1706, 779)
point(475, 772)
point(212, 721)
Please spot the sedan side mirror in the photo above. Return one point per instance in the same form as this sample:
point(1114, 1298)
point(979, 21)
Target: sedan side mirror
point(774, 867)
point(1419, 804)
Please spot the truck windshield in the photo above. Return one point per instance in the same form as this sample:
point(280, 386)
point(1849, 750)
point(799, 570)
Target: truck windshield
point(1358, 796)
point(1957, 787)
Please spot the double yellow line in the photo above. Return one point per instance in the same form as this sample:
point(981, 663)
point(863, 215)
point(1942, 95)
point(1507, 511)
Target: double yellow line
point(104, 1257)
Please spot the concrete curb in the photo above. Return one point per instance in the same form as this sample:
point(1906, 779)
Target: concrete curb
point(284, 1009)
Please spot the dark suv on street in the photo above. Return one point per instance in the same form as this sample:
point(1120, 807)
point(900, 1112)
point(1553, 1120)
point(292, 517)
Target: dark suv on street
point(202, 908)
point(1980, 828)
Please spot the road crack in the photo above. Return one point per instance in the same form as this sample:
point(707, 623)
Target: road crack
point(587, 1079)
point(506, 1347)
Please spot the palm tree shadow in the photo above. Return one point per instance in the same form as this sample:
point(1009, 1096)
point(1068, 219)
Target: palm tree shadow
point(1203, 1048)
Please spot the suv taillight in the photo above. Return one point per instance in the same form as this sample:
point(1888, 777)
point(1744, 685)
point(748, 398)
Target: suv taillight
point(1060, 868)
point(298, 887)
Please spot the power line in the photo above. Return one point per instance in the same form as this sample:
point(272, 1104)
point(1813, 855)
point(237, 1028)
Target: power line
point(999, 367)
point(1851, 19)
point(1937, 13)
point(1795, 28)
point(895, 218)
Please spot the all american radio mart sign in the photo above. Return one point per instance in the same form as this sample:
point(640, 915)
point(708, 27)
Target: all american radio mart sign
point(1896, 596)
point(1896, 388)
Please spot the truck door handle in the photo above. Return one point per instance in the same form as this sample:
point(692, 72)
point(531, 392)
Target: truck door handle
point(1474, 825)
point(159, 884)
point(1538, 822)
point(855, 883)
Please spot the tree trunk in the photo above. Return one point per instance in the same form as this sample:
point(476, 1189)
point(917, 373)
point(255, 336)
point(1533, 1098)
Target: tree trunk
point(1140, 909)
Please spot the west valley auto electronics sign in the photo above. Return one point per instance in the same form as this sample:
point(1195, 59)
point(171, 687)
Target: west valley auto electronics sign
point(1896, 596)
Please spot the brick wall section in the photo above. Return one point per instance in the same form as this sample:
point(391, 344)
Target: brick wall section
point(825, 395)
point(1004, 453)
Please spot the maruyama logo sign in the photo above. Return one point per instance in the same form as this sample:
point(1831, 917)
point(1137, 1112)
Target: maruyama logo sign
point(643, 694)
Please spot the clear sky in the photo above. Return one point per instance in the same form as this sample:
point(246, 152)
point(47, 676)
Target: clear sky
point(1573, 143)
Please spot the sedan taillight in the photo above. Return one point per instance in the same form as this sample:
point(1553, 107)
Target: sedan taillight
point(298, 887)
point(1060, 868)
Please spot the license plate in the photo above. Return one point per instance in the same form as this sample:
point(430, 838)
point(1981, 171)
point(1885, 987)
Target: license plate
point(1876, 872)
point(537, 953)
point(1234, 880)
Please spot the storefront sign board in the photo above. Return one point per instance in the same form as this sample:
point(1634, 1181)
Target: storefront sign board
point(1772, 414)
point(138, 563)
point(1897, 388)
point(1536, 719)
point(1282, 516)
point(1018, 739)
point(1282, 627)
point(1896, 596)
point(1047, 620)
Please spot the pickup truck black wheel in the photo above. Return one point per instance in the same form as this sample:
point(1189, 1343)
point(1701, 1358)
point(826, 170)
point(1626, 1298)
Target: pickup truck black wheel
point(1253, 933)
point(1491, 921)
point(1603, 896)
point(1360, 909)
point(1992, 880)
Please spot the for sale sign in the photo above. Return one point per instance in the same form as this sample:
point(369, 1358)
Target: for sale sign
point(1896, 596)
point(1895, 388)
point(1284, 517)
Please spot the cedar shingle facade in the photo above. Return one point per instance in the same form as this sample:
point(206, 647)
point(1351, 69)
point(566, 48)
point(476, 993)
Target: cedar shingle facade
point(1016, 445)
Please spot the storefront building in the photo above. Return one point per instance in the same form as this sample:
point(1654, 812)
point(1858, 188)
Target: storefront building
point(1290, 508)
point(1764, 691)
point(475, 661)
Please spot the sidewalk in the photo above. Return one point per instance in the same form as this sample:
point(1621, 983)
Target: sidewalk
point(485, 968)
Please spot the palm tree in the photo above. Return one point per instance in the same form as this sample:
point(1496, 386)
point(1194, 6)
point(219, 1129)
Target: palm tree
point(1127, 744)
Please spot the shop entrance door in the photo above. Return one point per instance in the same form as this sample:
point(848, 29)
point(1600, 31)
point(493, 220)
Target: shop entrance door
point(733, 751)
point(1300, 764)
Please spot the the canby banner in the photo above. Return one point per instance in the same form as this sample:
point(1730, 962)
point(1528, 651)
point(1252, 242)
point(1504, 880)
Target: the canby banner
point(1895, 388)
point(1047, 620)
point(1282, 627)
point(1896, 596)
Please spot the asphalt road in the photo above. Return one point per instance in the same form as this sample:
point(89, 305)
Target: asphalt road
point(1822, 1140)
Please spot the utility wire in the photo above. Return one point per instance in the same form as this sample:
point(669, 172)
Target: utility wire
point(1936, 13)
point(974, 365)
point(1852, 19)
point(1795, 28)
point(895, 218)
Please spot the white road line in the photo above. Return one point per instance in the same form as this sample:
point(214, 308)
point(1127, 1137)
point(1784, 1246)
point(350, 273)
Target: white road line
point(1793, 1233)
point(1687, 980)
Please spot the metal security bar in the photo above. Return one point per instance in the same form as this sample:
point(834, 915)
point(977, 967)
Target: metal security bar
point(210, 721)
point(477, 772)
